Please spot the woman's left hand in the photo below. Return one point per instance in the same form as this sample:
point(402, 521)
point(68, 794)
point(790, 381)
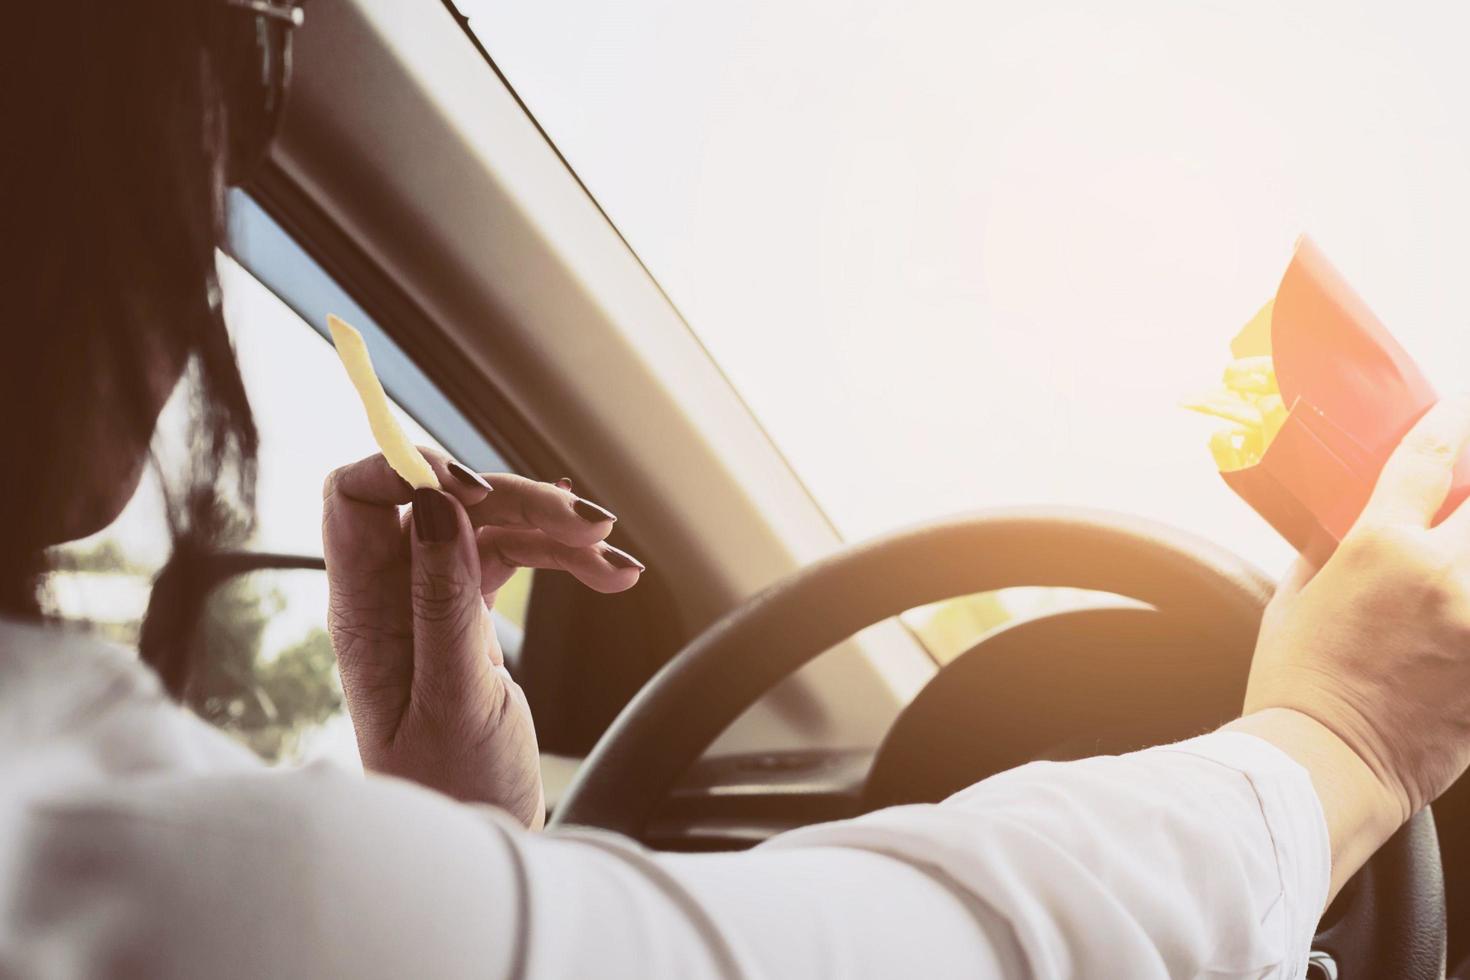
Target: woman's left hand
point(409, 614)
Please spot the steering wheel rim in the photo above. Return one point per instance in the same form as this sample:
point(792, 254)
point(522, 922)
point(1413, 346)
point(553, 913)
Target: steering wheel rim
point(723, 671)
point(685, 706)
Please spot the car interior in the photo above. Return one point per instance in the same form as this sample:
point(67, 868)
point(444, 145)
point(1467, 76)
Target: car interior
point(767, 672)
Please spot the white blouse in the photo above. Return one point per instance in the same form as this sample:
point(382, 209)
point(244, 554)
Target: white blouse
point(135, 840)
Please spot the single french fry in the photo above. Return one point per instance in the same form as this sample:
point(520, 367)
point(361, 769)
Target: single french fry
point(1227, 445)
point(1251, 374)
point(400, 453)
point(1255, 337)
point(1227, 405)
point(1273, 415)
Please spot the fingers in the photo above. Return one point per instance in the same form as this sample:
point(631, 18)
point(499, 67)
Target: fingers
point(365, 496)
point(1416, 478)
point(598, 566)
point(361, 528)
point(505, 500)
point(368, 481)
point(373, 481)
point(452, 638)
point(521, 503)
point(361, 534)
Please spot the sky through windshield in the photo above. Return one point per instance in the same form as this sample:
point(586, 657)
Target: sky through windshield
point(962, 255)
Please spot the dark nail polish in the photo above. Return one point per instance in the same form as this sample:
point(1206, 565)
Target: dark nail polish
point(434, 520)
point(468, 476)
point(618, 558)
point(565, 483)
point(592, 513)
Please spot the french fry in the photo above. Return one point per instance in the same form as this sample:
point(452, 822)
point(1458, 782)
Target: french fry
point(1227, 445)
point(400, 453)
point(1251, 374)
point(1231, 405)
point(1251, 402)
point(1273, 413)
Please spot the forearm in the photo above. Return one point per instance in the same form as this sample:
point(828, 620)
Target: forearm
point(1206, 857)
point(1361, 814)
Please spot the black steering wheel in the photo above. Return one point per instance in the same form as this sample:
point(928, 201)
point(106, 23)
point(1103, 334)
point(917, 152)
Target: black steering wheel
point(1198, 600)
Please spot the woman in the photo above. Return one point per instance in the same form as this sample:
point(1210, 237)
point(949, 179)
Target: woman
point(135, 840)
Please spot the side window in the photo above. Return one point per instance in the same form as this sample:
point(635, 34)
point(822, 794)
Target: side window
point(268, 675)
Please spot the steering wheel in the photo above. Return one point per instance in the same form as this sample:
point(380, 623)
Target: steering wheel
point(1389, 921)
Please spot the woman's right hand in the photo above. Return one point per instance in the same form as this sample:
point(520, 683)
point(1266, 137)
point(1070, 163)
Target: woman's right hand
point(1375, 646)
point(410, 598)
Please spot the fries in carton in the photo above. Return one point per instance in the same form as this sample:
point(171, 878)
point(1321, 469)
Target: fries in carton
point(1318, 396)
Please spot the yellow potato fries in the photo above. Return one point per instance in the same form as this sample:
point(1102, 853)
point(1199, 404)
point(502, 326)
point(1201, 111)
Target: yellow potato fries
point(1252, 374)
point(1251, 402)
point(400, 453)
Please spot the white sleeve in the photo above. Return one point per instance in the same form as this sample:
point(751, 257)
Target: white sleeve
point(1205, 858)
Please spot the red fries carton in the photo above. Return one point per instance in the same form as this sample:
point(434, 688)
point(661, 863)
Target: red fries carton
point(1350, 392)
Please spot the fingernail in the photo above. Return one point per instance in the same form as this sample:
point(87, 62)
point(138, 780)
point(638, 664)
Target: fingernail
point(565, 483)
point(434, 520)
point(618, 558)
point(468, 476)
point(592, 513)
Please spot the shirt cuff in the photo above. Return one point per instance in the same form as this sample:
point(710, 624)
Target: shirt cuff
point(1293, 815)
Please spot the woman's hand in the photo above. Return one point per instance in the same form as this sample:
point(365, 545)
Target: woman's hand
point(409, 615)
point(1375, 647)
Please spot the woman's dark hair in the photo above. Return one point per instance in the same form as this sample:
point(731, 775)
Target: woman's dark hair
point(116, 127)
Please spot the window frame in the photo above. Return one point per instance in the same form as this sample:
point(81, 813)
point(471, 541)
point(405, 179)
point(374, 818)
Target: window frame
point(581, 661)
point(266, 249)
point(458, 226)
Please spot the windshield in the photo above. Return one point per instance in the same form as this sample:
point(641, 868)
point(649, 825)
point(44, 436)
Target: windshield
point(967, 255)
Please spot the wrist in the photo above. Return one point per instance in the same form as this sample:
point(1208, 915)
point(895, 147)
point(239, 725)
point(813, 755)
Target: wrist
point(1350, 748)
point(1361, 809)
